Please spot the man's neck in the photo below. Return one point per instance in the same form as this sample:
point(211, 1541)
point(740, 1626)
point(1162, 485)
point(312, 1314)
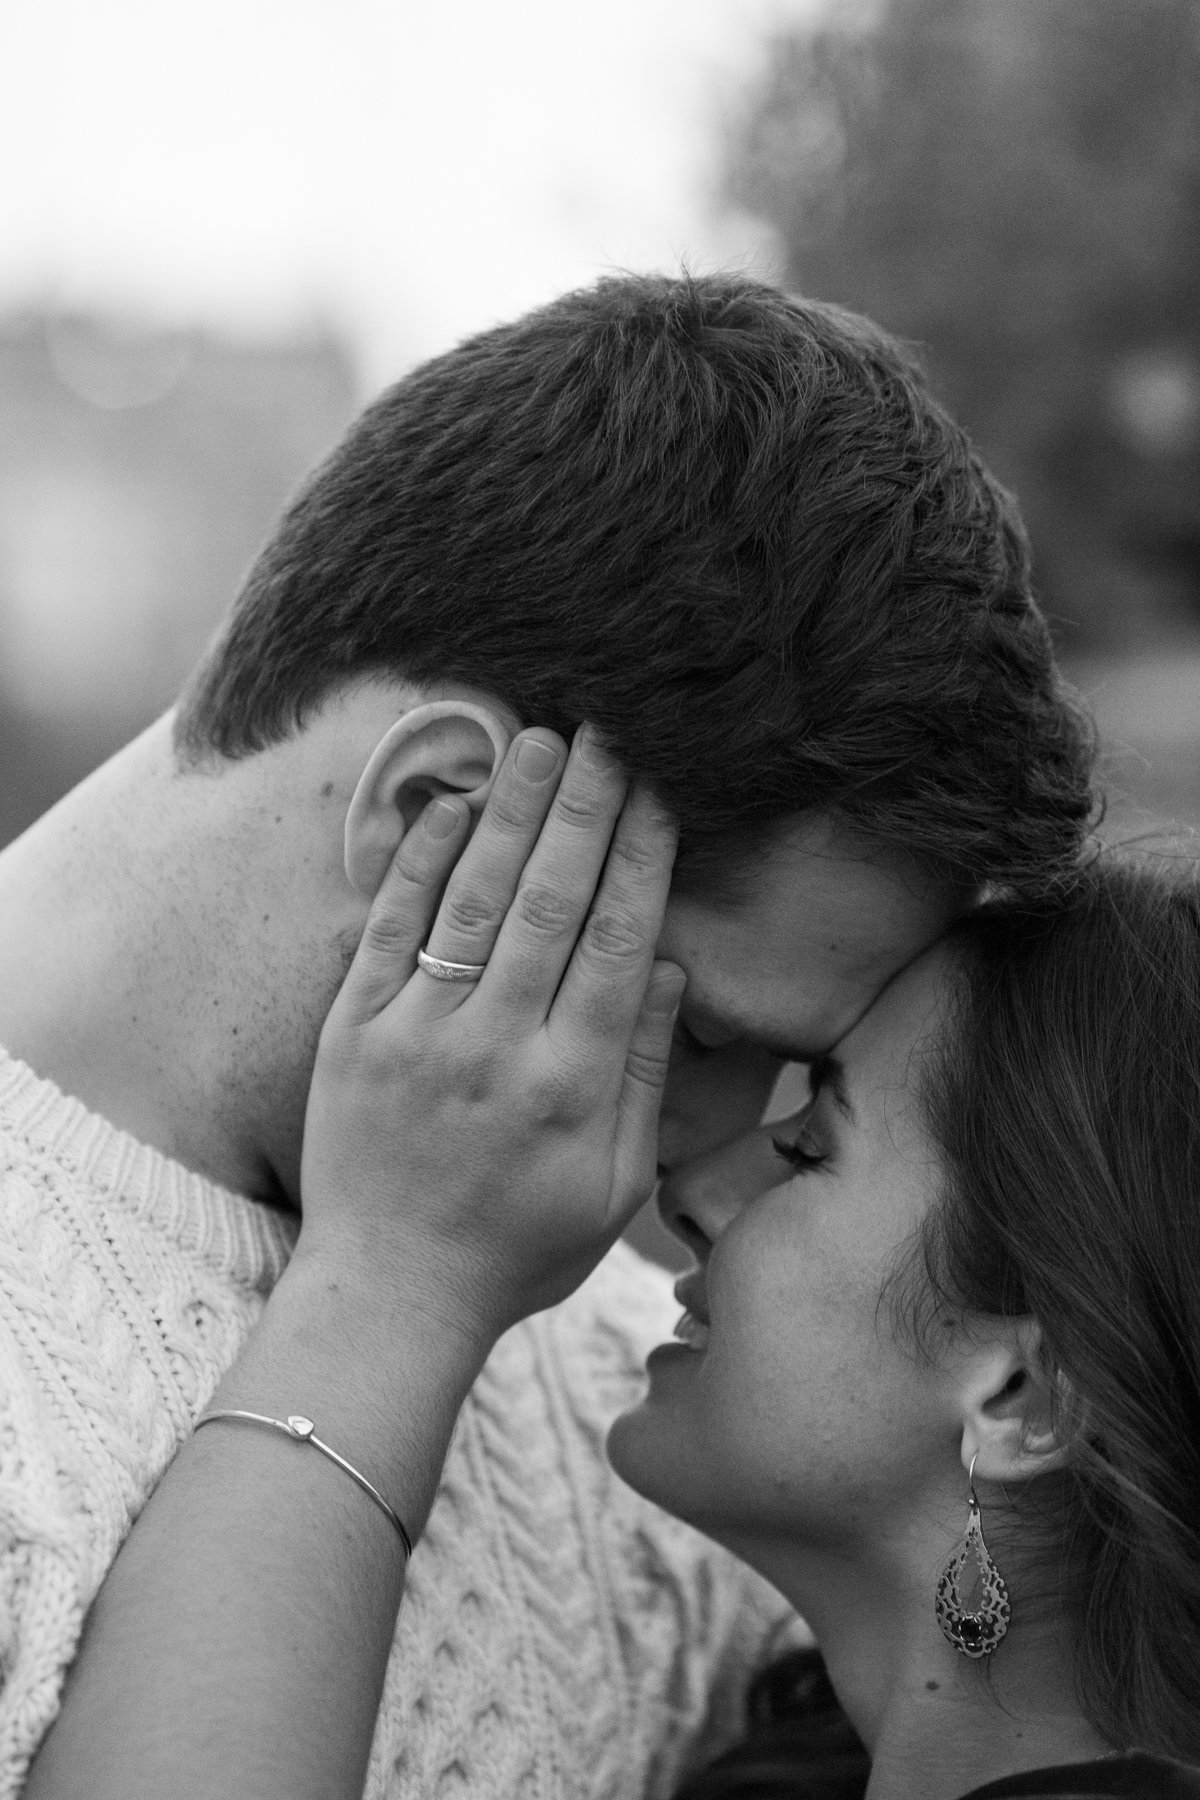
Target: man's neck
point(131, 970)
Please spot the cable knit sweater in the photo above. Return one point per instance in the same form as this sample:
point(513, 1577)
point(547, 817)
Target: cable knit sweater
point(559, 1637)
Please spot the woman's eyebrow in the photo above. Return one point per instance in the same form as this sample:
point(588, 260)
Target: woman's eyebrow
point(828, 1072)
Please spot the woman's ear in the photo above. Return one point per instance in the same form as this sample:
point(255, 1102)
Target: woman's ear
point(440, 747)
point(1018, 1420)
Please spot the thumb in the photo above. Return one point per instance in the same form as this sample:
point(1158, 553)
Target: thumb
point(636, 1152)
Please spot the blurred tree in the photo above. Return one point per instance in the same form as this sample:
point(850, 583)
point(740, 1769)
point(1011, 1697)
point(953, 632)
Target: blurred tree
point(1015, 184)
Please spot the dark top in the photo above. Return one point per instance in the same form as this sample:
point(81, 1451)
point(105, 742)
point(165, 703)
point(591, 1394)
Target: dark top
point(801, 1746)
point(1134, 1774)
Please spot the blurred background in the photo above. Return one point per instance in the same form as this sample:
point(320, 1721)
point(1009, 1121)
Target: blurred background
point(224, 224)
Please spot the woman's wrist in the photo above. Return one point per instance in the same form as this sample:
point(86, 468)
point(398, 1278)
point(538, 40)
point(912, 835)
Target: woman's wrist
point(410, 1296)
point(382, 1377)
point(253, 1604)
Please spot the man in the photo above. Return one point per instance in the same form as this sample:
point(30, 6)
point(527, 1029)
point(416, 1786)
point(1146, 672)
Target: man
point(734, 533)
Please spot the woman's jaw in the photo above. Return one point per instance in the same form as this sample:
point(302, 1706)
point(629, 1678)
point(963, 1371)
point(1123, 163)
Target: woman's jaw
point(788, 1406)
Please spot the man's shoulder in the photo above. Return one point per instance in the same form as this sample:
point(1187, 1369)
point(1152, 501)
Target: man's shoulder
point(67, 1169)
point(127, 1286)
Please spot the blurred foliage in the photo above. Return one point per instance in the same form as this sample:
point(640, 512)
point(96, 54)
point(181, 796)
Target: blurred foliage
point(1015, 185)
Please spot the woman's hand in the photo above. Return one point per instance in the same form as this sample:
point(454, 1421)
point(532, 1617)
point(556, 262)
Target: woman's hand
point(470, 1152)
point(479, 1145)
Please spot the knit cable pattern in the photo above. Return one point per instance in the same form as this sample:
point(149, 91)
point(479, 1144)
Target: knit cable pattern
point(560, 1638)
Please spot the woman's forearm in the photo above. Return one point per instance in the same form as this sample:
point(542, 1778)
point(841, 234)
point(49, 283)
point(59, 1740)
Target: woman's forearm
point(470, 1152)
point(238, 1645)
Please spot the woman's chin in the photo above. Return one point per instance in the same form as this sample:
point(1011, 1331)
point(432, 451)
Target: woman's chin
point(644, 1444)
point(630, 1446)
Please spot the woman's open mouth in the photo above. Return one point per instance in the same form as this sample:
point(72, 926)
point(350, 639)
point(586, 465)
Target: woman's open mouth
point(692, 1331)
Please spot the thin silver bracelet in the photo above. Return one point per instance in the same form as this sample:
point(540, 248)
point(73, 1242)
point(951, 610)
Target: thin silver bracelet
point(301, 1430)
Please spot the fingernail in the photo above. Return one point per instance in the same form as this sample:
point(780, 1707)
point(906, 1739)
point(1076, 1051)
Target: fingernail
point(590, 750)
point(536, 761)
point(665, 990)
point(441, 819)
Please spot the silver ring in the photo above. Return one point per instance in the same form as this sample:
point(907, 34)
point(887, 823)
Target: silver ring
point(449, 971)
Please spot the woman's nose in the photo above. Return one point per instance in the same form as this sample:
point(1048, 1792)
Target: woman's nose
point(699, 1199)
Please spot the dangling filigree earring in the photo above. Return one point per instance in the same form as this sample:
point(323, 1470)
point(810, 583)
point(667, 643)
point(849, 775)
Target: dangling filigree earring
point(974, 1633)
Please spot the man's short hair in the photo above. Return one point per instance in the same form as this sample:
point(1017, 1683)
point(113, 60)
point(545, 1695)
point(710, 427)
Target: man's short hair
point(731, 528)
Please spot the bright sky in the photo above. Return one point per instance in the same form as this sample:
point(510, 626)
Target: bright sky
point(411, 171)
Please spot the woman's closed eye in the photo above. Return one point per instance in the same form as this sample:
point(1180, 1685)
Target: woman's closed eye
point(802, 1154)
point(805, 1148)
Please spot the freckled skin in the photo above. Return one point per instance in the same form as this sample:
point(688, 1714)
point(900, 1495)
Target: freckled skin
point(803, 1419)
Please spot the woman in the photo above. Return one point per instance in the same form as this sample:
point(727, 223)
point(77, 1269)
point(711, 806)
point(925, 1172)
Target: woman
point(979, 1272)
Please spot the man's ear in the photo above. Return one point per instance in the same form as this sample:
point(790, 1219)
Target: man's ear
point(440, 747)
point(1018, 1419)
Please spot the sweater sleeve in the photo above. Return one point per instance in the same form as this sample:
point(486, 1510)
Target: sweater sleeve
point(44, 1559)
point(126, 1287)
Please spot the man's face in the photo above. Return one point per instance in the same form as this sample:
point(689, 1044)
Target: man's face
point(785, 973)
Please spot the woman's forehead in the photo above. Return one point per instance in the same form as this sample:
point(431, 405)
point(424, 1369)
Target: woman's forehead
point(882, 1051)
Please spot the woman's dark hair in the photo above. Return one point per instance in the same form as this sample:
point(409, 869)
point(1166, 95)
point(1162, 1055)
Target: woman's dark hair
point(1064, 1099)
point(1065, 1102)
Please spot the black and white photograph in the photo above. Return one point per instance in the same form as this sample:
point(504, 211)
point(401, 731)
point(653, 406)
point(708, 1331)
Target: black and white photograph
point(599, 900)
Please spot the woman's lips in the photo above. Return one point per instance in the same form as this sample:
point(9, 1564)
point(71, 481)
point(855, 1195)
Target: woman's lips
point(690, 1292)
point(692, 1332)
point(692, 1328)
